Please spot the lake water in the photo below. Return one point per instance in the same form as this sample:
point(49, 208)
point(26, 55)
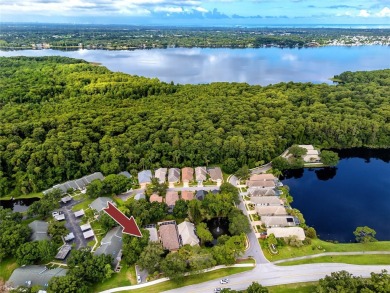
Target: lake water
point(337, 200)
point(255, 66)
point(18, 205)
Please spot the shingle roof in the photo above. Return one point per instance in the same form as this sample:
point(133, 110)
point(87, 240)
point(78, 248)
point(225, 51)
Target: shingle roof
point(173, 175)
point(34, 275)
point(187, 195)
point(281, 221)
point(125, 173)
point(200, 194)
point(187, 174)
point(215, 174)
point(139, 196)
point(260, 183)
point(261, 191)
point(100, 203)
point(171, 198)
point(187, 233)
point(153, 236)
point(168, 235)
point(155, 197)
point(286, 232)
point(266, 200)
point(262, 177)
point(111, 244)
point(271, 210)
point(145, 176)
point(161, 174)
point(89, 178)
point(39, 230)
point(200, 173)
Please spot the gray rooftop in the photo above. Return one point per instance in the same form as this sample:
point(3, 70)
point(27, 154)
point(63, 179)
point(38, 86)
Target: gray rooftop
point(139, 196)
point(200, 173)
point(100, 203)
point(39, 230)
point(215, 174)
point(153, 236)
point(111, 244)
point(34, 275)
point(126, 174)
point(145, 176)
point(161, 174)
point(173, 175)
point(200, 194)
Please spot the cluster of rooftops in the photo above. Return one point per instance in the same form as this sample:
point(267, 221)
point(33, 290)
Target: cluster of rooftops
point(264, 195)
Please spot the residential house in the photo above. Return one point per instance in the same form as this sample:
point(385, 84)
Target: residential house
point(278, 221)
point(287, 232)
point(155, 197)
point(95, 176)
point(111, 244)
point(100, 203)
point(64, 251)
point(153, 235)
point(33, 275)
point(161, 175)
point(170, 199)
point(264, 210)
point(173, 176)
point(126, 174)
point(187, 175)
point(312, 155)
point(39, 230)
point(187, 233)
point(139, 196)
point(262, 192)
point(216, 175)
point(144, 178)
point(169, 235)
point(200, 194)
point(187, 195)
point(266, 200)
point(200, 175)
point(234, 180)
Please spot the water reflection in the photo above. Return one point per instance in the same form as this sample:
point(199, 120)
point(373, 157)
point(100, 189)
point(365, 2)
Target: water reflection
point(254, 66)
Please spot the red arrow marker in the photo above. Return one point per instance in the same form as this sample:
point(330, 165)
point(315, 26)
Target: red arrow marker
point(129, 225)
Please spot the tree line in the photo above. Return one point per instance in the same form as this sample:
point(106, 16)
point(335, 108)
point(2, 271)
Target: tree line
point(63, 118)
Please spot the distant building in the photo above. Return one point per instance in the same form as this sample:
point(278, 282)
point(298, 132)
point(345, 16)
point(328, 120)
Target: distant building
point(173, 176)
point(144, 178)
point(169, 235)
point(276, 210)
point(266, 200)
point(200, 175)
point(161, 175)
point(287, 232)
point(39, 230)
point(100, 203)
point(111, 244)
point(262, 192)
point(216, 175)
point(200, 194)
point(312, 155)
point(278, 221)
point(34, 275)
point(187, 175)
point(187, 233)
point(153, 235)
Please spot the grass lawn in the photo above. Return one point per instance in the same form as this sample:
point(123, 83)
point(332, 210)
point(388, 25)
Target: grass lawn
point(298, 287)
point(125, 277)
point(190, 280)
point(246, 260)
point(83, 205)
point(30, 195)
point(373, 259)
point(320, 246)
point(6, 268)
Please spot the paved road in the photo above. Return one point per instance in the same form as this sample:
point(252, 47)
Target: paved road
point(73, 225)
point(271, 275)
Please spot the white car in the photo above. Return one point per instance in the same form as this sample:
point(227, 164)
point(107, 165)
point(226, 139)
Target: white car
point(224, 281)
point(217, 289)
point(139, 279)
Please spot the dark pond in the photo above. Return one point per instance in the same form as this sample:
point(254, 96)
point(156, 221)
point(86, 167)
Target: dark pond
point(18, 205)
point(218, 227)
point(337, 200)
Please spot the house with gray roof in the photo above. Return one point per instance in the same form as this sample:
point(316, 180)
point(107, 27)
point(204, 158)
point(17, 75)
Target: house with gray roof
point(262, 192)
point(200, 175)
point(266, 200)
point(34, 275)
point(81, 184)
point(200, 194)
point(278, 221)
point(216, 175)
point(173, 176)
point(139, 196)
point(126, 174)
point(187, 233)
point(278, 210)
point(161, 175)
point(39, 230)
point(89, 178)
point(153, 236)
point(144, 178)
point(100, 203)
point(111, 244)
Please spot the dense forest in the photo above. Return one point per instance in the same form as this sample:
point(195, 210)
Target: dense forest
point(62, 118)
point(119, 37)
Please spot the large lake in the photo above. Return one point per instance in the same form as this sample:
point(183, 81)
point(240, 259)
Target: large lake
point(337, 200)
point(255, 66)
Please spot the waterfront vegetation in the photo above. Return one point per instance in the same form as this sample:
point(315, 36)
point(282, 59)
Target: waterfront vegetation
point(308, 287)
point(63, 118)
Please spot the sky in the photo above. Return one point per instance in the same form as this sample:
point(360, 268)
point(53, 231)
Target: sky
point(193, 12)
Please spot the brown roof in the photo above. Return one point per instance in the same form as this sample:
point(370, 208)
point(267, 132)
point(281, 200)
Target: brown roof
point(187, 195)
point(169, 236)
point(260, 183)
point(262, 177)
point(215, 174)
point(187, 174)
point(156, 197)
point(171, 198)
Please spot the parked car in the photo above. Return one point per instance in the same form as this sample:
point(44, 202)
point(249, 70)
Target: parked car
point(139, 279)
point(56, 213)
point(217, 289)
point(224, 281)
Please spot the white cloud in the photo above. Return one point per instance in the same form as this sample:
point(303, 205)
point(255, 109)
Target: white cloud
point(168, 9)
point(385, 12)
point(364, 13)
point(201, 9)
point(289, 57)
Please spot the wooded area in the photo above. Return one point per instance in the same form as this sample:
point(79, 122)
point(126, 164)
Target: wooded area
point(63, 118)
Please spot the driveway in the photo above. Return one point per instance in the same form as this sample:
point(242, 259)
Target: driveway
point(73, 225)
point(142, 273)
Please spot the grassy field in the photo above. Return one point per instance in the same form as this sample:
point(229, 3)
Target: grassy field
point(190, 280)
point(319, 246)
point(299, 287)
point(82, 205)
point(373, 259)
point(6, 268)
point(125, 277)
point(30, 195)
